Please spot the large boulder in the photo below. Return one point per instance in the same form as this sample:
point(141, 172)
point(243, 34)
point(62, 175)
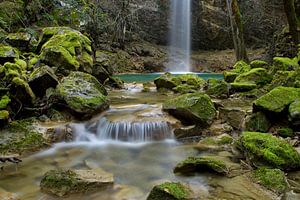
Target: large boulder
point(195, 108)
point(7, 54)
point(65, 182)
point(284, 64)
point(83, 94)
point(22, 91)
point(263, 149)
point(259, 64)
point(257, 76)
point(167, 81)
point(277, 100)
point(294, 113)
point(66, 49)
point(41, 79)
point(170, 191)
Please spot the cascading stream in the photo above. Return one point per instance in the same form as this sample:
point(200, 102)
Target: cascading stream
point(180, 36)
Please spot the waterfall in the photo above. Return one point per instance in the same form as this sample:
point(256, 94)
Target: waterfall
point(180, 36)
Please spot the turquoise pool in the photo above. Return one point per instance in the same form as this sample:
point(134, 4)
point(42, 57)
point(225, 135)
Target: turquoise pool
point(129, 78)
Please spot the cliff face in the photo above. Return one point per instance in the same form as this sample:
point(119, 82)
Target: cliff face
point(211, 27)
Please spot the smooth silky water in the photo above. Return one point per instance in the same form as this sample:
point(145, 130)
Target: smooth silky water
point(138, 162)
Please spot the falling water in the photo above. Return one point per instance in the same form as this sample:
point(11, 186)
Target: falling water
point(180, 36)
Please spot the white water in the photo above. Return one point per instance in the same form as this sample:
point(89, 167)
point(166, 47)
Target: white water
point(180, 36)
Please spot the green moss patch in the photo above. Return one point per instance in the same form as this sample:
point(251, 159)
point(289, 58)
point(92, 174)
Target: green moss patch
point(170, 191)
point(272, 179)
point(265, 149)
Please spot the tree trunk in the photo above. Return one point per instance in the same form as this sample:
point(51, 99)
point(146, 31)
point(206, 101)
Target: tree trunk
point(237, 30)
point(294, 24)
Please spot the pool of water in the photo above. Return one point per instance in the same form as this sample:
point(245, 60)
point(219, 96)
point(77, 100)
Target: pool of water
point(139, 78)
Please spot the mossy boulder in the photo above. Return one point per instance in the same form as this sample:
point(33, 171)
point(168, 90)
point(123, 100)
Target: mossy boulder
point(195, 108)
point(41, 79)
point(229, 76)
point(19, 40)
point(114, 82)
point(263, 149)
point(20, 137)
point(13, 70)
point(217, 143)
point(259, 64)
point(217, 88)
point(284, 78)
point(7, 54)
point(201, 164)
point(272, 179)
point(189, 82)
point(167, 81)
point(284, 64)
point(4, 116)
point(170, 191)
point(83, 94)
point(65, 182)
point(241, 67)
point(257, 122)
point(277, 100)
point(241, 87)
point(294, 112)
point(22, 91)
point(67, 50)
point(258, 76)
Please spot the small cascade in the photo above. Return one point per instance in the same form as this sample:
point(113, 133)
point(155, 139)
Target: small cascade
point(180, 36)
point(138, 123)
point(133, 131)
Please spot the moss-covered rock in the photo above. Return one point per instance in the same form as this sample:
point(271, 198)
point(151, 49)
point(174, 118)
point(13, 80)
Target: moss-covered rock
point(65, 182)
point(284, 64)
point(294, 112)
point(258, 76)
point(20, 137)
point(170, 191)
point(229, 76)
point(257, 122)
point(167, 81)
point(83, 93)
point(195, 108)
point(242, 87)
point(201, 164)
point(277, 100)
point(4, 116)
point(7, 54)
point(41, 79)
point(19, 40)
point(4, 101)
point(67, 50)
point(241, 67)
point(263, 149)
point(13, 70)
point(21, 89)
point(185, 88)
point(114, 82)
point(259, 64)
point(284, 78)
point(217, 143)
point(272, 179)
point(217, 88)
point(285, 132)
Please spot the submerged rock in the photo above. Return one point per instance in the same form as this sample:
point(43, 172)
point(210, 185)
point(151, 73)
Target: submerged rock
point(277, 99)
point(83, 94)
point(201, 164)
point(272, 179)
point(195, 108)
point(65, 182)
point(170, 191)
point(5, 195)
point(263, 149)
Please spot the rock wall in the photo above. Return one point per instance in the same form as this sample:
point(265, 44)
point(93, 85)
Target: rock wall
point(211, 26)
